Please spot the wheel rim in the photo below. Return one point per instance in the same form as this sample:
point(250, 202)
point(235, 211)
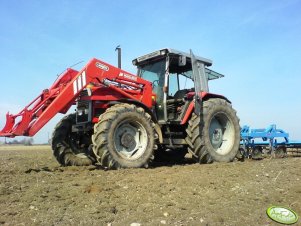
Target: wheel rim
point(130, 139)
point(221, 133)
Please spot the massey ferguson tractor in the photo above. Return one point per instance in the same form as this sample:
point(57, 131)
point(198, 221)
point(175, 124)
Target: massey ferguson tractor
point(124, 120)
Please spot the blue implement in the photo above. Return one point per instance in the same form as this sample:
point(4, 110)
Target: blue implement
point(271, 137)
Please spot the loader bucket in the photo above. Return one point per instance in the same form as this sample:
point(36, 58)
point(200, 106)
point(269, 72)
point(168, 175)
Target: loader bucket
point(10, 121)
point(20, 128)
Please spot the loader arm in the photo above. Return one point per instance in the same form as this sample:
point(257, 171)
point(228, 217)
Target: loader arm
point(66, 89)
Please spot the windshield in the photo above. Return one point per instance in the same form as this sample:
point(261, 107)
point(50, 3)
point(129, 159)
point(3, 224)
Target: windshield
point(153, 72)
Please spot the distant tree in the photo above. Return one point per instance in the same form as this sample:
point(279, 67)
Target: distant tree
point(24, 141)
point(28, 142)
point(14, 141)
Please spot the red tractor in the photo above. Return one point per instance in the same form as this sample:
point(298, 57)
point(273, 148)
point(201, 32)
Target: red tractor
point(125, 121)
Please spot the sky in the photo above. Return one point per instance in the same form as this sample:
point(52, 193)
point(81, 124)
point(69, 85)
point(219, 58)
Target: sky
point(255, 44)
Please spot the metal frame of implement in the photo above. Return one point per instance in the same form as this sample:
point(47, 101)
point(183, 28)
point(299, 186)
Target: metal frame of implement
point(267, 138)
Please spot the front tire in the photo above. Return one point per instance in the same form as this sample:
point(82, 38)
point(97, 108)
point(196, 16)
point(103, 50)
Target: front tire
point(65, 145)
point(215, 135)
point(124, 137)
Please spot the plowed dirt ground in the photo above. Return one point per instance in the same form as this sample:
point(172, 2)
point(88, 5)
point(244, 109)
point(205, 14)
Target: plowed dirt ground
point(35, 190)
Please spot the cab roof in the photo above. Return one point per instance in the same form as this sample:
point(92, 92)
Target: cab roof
point(164, 52)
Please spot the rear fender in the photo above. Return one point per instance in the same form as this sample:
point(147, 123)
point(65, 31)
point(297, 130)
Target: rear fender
point(205, 96)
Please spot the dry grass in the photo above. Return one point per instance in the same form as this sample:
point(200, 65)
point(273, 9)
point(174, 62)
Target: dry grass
point(24, 148)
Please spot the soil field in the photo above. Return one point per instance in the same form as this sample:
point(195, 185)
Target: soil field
point(35, 190)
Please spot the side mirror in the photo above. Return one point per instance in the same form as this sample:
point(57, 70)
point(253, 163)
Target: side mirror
point(182, 60)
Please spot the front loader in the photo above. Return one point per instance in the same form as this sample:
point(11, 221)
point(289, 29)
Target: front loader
point(124, 120)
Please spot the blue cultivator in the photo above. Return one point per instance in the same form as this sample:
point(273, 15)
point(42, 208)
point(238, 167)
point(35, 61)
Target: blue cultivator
point(274, 141)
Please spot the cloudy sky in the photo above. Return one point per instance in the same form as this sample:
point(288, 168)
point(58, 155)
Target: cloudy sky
point(256, 44)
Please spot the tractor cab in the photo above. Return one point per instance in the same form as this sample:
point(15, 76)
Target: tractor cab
point(173, 76)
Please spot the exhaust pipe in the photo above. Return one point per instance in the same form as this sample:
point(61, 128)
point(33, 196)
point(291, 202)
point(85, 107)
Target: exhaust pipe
point(118, 48)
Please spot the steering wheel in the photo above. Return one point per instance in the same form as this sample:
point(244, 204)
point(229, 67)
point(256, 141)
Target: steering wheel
point(155, 83)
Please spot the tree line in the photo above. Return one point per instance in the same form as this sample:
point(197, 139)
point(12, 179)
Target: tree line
point(24, 141)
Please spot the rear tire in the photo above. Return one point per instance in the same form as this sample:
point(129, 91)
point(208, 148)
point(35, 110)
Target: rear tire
point(124, 137)
point(64, 145)
point(215, 135)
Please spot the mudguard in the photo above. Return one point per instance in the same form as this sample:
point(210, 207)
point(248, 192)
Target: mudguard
point(205, 96)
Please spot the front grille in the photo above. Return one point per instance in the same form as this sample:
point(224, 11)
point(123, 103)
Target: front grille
point(83, 109)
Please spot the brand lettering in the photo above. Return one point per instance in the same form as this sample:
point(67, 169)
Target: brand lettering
point(131, 77)
point(102, 66)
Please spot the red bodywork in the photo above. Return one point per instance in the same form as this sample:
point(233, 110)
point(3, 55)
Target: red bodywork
point(106, 82)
